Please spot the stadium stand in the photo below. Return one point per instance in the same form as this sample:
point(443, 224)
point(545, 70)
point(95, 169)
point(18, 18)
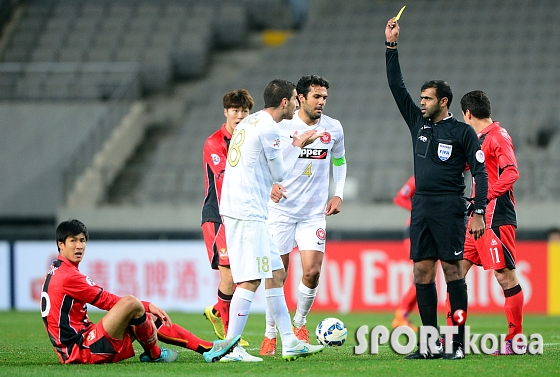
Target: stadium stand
point(65, 52)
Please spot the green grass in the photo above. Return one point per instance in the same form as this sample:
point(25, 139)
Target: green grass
point(26, 351)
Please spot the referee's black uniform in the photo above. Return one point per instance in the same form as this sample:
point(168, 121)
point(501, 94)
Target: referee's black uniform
point(441, 152)
point(439, 213)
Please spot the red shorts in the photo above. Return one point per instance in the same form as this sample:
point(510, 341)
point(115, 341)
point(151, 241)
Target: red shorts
point(98, 347)
point(215, 239)
point(494, 250)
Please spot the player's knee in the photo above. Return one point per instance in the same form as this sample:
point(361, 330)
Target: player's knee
point(506, 278)
point(311, 277)
point(132, 303)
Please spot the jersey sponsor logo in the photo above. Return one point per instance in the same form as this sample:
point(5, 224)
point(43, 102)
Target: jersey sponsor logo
point(314, 153)
point(215, 159)
point(89, 281)
point(423, 138)
point(480, 156)
point(444, 151)
point(276, 143)
point(321, 234)
point(326, 138)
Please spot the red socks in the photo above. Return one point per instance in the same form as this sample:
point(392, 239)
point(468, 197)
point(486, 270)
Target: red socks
point(409, 299)
point(514, 310)
point(181, 337)
point(222, 308)
point(143, 329)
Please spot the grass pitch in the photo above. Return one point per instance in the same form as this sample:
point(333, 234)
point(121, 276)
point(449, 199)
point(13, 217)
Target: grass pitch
point(26, 351)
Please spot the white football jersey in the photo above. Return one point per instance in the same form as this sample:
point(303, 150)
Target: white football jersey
point(307, 185)
point(247, 178)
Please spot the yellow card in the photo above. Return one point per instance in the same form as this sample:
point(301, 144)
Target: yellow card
point(399, 14)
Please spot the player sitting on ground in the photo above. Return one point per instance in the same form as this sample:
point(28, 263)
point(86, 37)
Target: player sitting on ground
point(66, 291)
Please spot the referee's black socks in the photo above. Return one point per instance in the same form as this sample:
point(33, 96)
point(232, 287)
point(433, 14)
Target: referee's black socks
point(426, 295)
point(458, 299)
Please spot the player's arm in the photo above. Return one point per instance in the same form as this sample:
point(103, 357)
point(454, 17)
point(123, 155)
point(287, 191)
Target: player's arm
point(409, 110)
point(475, 159)
point(215, 156)
point(503, 150)
point(339, 169)
point(405, 194)
point(83, 289)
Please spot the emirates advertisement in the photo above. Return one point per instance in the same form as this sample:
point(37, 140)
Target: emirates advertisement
point(356, 276)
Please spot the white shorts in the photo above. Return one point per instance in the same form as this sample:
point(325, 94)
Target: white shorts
point(287, 232)
point(253, 255)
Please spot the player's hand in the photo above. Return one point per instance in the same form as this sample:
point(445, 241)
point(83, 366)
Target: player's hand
point(333, 206)
point(161, 314)
point(305, 138)
point(477, 226)
point(392, 30)
point(277, 193)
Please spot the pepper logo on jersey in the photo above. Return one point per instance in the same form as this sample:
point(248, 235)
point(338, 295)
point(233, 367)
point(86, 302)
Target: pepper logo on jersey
point(444, 151)
point(326, 138)
point(89, 281)
point(321, 234)
point(215, 159)
point(314, 153)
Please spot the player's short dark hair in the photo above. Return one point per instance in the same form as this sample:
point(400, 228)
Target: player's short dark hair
point(70, 228)
point(478, 103)
point(275, 91)
point(238, 98)
point(442, 90)
point(304, 84)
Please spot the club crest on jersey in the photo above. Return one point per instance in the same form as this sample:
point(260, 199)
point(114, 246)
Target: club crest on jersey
point(215, 159)
point(326, 138)
point(91, 335)
point(480, 156)
point(276, 143)
point(222, 253)
point(321, 234)
point(444, 151)
point(89, 281)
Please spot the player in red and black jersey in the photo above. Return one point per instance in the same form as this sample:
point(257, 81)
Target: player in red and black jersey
point(237, 105)
point(66, 293)
point(496, 249)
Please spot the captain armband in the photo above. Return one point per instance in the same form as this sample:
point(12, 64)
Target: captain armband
point(338, 161)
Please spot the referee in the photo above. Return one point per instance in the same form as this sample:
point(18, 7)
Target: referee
point(442, 148)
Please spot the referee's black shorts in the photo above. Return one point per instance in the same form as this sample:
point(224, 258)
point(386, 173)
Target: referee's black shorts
point(437, 227)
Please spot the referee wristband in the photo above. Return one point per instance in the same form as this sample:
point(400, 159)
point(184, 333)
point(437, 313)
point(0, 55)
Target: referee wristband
point(390, 44)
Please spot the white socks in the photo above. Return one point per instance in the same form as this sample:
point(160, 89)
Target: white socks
point(276, 303)
point(305, 298)
point(239, 311)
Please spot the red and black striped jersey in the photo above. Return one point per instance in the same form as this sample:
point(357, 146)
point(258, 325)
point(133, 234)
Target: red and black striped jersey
point(66, 293)
point(501, 166)
point(214, 157)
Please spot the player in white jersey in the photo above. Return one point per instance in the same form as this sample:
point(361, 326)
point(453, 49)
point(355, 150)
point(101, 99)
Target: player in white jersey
point(256, 160)
point(298, 206)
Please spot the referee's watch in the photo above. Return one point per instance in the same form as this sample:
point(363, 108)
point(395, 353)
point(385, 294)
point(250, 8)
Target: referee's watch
point(480, 211)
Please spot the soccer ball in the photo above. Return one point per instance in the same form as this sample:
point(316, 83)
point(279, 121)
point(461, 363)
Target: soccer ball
point(331, 332)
